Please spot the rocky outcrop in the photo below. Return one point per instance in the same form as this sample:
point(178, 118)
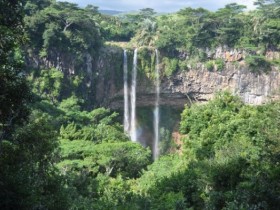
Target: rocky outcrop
point(228, 55)
point(233, 55)
point(201, 85)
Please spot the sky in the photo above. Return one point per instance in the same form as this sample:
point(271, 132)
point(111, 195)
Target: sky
point(159, 5)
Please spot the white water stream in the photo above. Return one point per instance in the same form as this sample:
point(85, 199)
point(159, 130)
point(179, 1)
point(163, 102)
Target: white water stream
point(156, 111)
point(126, 97)
point(133, 129)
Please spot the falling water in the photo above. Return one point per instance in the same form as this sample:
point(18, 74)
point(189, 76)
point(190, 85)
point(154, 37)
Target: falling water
point(133, 134)
point(156, 111)
point(126, 107)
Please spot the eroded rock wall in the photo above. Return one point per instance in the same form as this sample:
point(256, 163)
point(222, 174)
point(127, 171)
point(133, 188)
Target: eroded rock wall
point(200, 85)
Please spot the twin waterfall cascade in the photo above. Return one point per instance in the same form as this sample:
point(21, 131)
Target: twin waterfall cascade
point(130, 120)
point(156, 111)
point(125, 88)
point(133, 131)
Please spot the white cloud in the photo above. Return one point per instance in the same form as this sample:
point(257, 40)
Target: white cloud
point(160, 5)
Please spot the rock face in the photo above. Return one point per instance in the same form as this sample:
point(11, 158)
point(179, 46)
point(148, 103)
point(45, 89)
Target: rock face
point(103, 78)
point(201, 85)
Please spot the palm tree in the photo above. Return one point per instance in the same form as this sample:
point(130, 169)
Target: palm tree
point(147, 33)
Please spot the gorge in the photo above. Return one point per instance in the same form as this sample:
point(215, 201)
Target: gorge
point(132, 81)
point(195, 85)
point(141, 110)
point(142, 71)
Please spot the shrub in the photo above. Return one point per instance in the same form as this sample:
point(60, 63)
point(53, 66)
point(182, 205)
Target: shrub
point(257, 64)
point(183, 65)
point(202, 55)
point(209, 65)
point(220, 64)
point(171, 66)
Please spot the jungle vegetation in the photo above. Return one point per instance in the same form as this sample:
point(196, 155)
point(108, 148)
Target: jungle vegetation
point(59, 152)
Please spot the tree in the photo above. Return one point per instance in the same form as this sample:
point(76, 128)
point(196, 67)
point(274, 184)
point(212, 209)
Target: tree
point(268, 16)
point(14, 91)
point(230, 25)
point(58, 30)
point(32, 6)
point(28, 179)
point(146, 34)
point(229, 142)
point(147, 13)
point(50, 84)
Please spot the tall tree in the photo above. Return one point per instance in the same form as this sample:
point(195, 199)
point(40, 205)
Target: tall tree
point(14, 91)
point(269, 29)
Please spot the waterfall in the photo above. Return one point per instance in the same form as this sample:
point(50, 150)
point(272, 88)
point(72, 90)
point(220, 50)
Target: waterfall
point(156, 111)
point(125, 88)
point(133, 134)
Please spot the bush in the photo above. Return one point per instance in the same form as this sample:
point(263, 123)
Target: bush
point(220, 64)
point(202, 55)
point(146, 62)
point(183, 65)
point(171, 66)
point(209, 65)
point(258, 64)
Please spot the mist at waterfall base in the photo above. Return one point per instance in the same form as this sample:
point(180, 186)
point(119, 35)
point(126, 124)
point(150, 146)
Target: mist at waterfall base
point(169, 118)
point(146, 125)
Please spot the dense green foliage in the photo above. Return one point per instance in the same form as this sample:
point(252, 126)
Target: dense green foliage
point(229, 26)
point(60, 27)
point(14, 92)
point(236, 149)
point(56, 152)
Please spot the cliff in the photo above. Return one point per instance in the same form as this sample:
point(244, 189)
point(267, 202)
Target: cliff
point(196, 85)
point(102, 73)
point(201, 85)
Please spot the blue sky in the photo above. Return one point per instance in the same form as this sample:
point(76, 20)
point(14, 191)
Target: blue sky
point(159, 5)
